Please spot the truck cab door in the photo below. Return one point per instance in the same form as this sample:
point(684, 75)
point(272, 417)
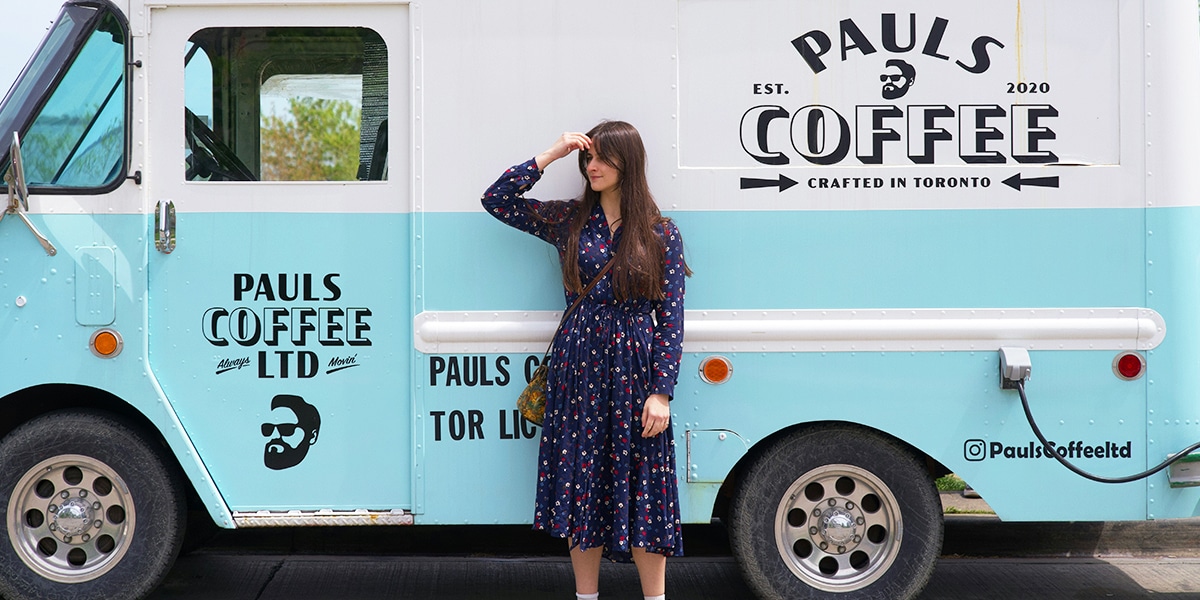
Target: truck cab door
point(279, 263)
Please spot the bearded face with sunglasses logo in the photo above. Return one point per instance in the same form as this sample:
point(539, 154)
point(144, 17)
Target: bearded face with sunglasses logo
point(289, 440)
point(895, 85)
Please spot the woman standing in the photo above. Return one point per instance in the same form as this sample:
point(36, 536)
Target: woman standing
point(606, 466)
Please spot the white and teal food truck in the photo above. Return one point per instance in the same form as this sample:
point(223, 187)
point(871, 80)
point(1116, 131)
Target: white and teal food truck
point(919, 229)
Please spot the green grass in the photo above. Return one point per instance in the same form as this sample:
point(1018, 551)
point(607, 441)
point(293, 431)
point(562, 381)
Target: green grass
point(954, 483)
point(950, 483)
point(950, 510)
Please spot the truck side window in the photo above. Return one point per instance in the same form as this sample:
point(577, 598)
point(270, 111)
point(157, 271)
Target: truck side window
point(286, 104)
point(77, 139)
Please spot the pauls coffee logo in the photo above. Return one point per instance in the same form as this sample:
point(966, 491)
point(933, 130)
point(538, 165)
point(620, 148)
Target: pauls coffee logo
point(814, 45)
point(293, 430)
point(294, 330)
point(876, 132)
point(977, 450)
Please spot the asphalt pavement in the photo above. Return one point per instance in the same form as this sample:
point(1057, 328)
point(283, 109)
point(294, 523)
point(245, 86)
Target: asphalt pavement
point(983, 559)
point(278, 577)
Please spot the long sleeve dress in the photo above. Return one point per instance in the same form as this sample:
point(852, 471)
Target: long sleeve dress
point(600, 483)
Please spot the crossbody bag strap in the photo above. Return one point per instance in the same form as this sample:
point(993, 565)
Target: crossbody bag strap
point(576, 303)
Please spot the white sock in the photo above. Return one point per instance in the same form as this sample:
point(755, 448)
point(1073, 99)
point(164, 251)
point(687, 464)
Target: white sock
point(587, 596)
point(661, 597)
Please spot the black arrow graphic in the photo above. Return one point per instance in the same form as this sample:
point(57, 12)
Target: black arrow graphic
point(782, 183)
point(1015, 182)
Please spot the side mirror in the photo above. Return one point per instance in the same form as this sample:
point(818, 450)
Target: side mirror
point(16, 175)
point(18, 195)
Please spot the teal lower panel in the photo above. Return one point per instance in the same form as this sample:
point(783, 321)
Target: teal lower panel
point(947, 405)
point(1173, 379)
point(51, 305)
point(284, 343)
point(398, 432)
point(814, 259)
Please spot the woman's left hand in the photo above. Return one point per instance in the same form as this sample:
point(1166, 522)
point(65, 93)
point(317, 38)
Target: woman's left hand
point(656, 415)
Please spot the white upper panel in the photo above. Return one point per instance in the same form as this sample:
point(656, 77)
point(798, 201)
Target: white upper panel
point(1034, 81)
point(1072, 103)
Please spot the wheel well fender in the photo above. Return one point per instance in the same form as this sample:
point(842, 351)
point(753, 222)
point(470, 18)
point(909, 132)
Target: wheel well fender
point(733, 480)
point(23, 405)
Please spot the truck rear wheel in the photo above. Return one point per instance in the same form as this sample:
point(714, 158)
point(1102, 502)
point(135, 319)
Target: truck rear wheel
point(91, 510)
point(836, 512)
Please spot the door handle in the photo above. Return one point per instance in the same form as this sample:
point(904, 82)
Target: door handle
point(164, 226)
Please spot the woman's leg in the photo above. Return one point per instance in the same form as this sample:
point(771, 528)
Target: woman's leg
point(587, 569)
point(652, 570)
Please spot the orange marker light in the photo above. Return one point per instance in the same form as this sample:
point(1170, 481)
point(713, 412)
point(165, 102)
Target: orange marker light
point(106, 343)
point(716, 370)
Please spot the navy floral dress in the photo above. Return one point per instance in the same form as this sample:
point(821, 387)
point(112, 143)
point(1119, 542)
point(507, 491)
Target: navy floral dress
point(600, 483)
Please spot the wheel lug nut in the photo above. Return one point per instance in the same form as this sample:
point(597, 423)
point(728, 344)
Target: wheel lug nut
point(95, 506)
point(85, 537)
point(841, 549)
point(849, 506)
point(53, 527)
point(812, 531)
point(860, 520)
point(824, 546)
point(816, 512)
point(832, 502)
point(65, 495)
point(83, 493)
point(98, 524)
point(53, 508)
point(857, 539)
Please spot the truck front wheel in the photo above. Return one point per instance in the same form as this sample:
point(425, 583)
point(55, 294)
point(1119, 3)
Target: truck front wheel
point(836, 512)
point(91, 509)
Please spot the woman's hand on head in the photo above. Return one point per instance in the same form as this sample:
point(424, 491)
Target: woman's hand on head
point(656, 415)
point(564, 145)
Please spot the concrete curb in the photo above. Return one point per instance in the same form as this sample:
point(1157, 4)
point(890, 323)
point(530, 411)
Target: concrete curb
point(955, 502)
point(981, 535)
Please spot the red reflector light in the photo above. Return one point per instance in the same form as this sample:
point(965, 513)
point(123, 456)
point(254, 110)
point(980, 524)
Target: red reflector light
point(1129, 365)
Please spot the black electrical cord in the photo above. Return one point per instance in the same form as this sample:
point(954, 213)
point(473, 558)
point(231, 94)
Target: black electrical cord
point(1081, 472)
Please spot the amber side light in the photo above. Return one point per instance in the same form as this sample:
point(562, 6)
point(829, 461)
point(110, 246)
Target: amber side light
point(716, 369)
point(106, 343)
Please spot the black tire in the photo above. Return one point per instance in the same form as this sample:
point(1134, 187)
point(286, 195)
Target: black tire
point(861, 494)
point(199, 532)
point(92, 510)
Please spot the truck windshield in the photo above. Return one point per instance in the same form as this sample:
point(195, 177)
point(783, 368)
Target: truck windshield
point(75, 137)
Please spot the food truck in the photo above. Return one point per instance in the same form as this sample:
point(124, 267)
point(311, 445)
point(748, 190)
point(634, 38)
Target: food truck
point(245, 274)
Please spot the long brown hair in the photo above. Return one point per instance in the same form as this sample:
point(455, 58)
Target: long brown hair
point(638, 264)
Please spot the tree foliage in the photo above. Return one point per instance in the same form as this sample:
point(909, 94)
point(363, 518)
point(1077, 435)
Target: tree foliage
point(54, 154)
point(317, 141)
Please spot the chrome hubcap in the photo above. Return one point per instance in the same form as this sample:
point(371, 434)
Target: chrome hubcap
point(73, 517)
point(838, 528)
point(70, 518)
